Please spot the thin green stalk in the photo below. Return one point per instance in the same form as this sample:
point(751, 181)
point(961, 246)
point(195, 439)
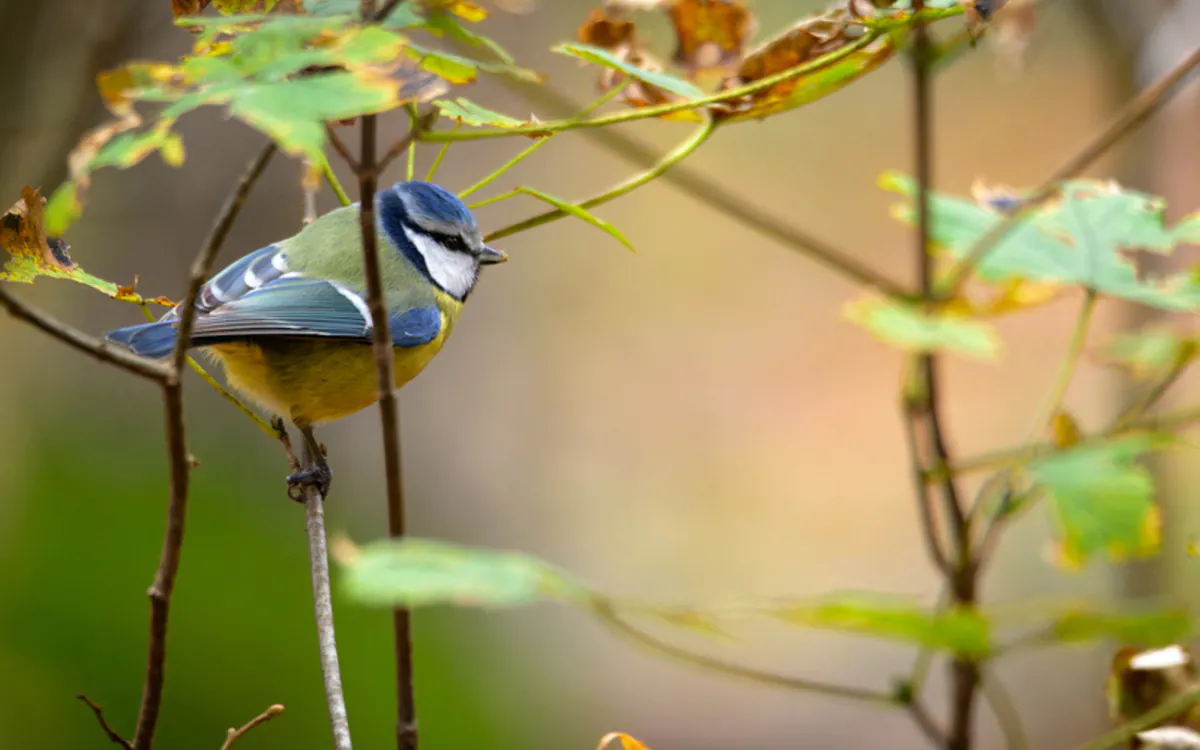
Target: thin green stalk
point(1066, 370)
point(671, 159)
point(1155, 393)
point(644, 113)
point(441, 155)
point(410, 168)
point(487, 180)
point(332, 179)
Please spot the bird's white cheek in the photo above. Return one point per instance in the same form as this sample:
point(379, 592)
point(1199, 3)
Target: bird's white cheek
point(454, 272)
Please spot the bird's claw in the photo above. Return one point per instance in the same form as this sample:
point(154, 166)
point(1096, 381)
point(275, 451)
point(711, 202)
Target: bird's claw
point(319, 477)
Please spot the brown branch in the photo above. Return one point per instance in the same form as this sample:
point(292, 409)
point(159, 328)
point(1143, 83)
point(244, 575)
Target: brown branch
point(340, 146)
point(112, 733)
point(1127, 120)
point(425, 122)
point(94, 347)
point(180, 462)
point(924, 403)
point(618, 625)
point(386, 10)
point(233, 735)
point(711, 194)
point(368, 176)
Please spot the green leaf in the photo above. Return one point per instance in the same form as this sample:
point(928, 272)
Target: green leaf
point(1150, 352)
point(1101, 500)
point(1078, 240)
point(470, 113)
point(579, 213)
point(453, 68)
point(908, 327)
point(961, 631)
point(1147, 628)
point(423, 573)
point(602, 57)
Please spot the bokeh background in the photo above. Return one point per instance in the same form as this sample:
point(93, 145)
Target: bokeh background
point(695, 422)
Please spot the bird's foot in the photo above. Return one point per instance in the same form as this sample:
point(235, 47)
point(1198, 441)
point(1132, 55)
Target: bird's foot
point(319, 477)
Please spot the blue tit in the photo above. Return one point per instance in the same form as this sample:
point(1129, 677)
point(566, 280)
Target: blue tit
point(290, 323)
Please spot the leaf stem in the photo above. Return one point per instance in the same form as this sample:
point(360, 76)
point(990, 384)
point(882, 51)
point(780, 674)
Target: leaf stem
point(331, 178)
point(490, 178)
point(678, 154)
point(1122, 734)
point(441, 155)
point(644, 113)
point(1066, 371)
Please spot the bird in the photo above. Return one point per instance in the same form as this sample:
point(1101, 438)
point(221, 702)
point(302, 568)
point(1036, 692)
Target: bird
point(290, 325)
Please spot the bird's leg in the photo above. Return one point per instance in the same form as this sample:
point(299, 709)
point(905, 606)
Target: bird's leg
point(281, 433)
point(316, 471)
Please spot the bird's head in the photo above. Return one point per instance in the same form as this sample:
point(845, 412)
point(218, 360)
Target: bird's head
point(437, 233)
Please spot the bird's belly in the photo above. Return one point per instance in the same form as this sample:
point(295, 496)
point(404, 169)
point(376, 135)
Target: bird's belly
point(312, 380)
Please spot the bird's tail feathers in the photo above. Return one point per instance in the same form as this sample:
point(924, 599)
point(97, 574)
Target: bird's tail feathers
point(154, 340)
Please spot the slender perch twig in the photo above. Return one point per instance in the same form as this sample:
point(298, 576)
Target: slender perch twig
point(318, 557)
point(179, 461)
point(98, 348)
point(233, 735)
point(117, 739)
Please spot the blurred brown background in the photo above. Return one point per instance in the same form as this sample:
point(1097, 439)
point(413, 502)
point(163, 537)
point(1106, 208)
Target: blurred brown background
point(694, 422)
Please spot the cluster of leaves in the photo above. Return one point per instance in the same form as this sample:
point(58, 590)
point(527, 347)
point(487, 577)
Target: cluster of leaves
point(1087, 237)
point(841, 44)
point(286, 74)
point(423, 573)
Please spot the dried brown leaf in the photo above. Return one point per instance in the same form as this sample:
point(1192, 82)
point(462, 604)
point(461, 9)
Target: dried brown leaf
point(607, 31)
point(23, 234)
point(710, 34)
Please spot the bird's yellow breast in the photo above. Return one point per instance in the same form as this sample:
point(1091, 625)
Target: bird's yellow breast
point(313, 380)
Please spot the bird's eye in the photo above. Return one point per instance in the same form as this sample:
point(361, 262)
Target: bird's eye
point(453, 242)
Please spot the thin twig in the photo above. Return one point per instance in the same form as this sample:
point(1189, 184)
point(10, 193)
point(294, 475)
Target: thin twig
point(180, 462)
point(1127, 120)
point(112, 733)
point(1066, 371)
point(1007, 715)
point(1148, 720)
point(233, 735)
point(318, 558)
point(420, 125)
point(918, 457)
point(619, 626)
point(925, 722)
point(712, 194)
point(926, 406)
point(368, 174)
point(94, 347)
point(340, 146)
point(1154, 394)
point(386, 10)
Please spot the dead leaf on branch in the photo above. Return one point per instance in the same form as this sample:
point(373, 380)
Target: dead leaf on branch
point(188, 8)
point(710, 34)
point(33, 253)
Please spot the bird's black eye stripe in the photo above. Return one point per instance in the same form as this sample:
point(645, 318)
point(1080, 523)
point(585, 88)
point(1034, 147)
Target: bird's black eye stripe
point(451, 241)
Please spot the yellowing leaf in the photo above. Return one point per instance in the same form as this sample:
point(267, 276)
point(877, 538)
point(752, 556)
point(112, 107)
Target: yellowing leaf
point(470, 113)
point(626, 742)
point(1102, 501)
point(1066, 430)
point(710, 33)
point(908, 327)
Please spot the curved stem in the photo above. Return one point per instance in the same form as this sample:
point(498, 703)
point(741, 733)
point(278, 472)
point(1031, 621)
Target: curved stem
point(675, 156)
point(1066, 371)
point(1148, 720)
point(643, 113)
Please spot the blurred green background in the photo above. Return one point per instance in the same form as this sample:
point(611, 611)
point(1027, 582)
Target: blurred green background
point(694, 422)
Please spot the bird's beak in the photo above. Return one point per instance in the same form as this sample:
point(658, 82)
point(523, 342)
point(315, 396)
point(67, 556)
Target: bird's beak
point(492, 255)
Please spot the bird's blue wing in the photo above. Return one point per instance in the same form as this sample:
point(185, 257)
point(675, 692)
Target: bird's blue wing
point(300, 306)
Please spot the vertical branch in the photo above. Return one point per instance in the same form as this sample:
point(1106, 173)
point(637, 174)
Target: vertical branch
point(924, 404)
point(318, 557)
point(368, 173)
point(180, 462)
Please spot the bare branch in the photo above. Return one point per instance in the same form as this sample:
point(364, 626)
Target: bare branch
point(386, 10)
point(112, 733)
point(98, 348)
point(180, 462)
point(340, 146)
point(318, 557)
point(424, 123)
point(1127, 120)
point(233, 735)
point(618, 625)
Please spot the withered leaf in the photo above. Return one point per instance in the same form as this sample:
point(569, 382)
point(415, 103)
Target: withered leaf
point(710, 34)
point(23, 235)
point(606, 31)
